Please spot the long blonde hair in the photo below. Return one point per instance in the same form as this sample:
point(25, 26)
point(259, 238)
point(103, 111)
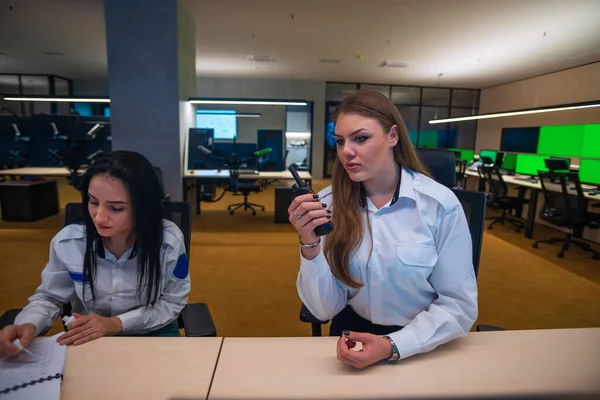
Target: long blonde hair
point(347, 214)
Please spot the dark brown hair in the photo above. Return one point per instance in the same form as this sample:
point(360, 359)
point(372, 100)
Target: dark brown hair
point(347, 214)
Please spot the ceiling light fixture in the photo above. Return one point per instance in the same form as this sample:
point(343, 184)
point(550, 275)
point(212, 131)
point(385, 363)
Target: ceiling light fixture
point(60, 99)
point(250, 102)
point(562, 107)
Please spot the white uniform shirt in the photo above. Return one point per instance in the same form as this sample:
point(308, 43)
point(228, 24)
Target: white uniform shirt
point(420, 275)
point(116, 283)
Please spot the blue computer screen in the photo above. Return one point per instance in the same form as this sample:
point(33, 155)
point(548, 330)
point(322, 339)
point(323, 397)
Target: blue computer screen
point(223, 122)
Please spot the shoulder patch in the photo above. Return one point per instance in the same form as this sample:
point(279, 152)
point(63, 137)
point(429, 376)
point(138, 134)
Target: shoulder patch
point(182, 268)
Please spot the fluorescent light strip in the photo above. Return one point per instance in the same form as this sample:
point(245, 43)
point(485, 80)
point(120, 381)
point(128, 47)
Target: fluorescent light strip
point(511, 113)
point(59, 99)
point(251, 102)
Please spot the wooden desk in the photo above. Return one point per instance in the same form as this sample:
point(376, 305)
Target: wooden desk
point(262, 175)
point(535, 188)
point(140, 368)
point(546, 363)
point(194, 178)
point(39, 171)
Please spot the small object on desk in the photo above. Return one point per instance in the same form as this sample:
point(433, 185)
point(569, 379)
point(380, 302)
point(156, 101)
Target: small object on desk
point(68, 319)
point(18, 343)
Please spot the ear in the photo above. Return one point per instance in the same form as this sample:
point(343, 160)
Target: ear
point(393, 136)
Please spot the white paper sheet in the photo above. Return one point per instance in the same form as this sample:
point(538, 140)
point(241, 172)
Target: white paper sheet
point(49, 360)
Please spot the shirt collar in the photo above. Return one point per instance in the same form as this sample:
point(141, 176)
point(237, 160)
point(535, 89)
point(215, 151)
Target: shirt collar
point(404, 188)
point(100, 250)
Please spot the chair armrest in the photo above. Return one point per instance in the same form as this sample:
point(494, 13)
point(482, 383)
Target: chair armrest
point(306, 316)
point(196, 320)
point(8, 318)
point(488, 328)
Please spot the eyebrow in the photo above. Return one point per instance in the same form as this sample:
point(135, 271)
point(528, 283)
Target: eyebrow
point(111, 202)
point(353, 133)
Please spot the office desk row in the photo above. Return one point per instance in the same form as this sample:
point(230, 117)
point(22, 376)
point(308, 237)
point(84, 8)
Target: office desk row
point(518, 364)
point(189, 174)
point(535, 189)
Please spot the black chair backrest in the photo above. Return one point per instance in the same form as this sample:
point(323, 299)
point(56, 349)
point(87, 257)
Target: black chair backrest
point(179, 213)
point(441, 163)
point(563, 197)
point(176, 211)
point(497, 187)
point(474, 205)
point(556, 164)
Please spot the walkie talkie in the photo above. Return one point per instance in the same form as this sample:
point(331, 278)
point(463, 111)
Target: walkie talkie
point(300, 188)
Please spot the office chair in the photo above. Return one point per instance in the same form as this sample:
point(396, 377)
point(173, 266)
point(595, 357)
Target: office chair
point(473, 204)
point(461, 177)
point(245, 187)
point(498, 197)
point(159, 175)
point(566, 206)
point(441, 163)
point(195, 318)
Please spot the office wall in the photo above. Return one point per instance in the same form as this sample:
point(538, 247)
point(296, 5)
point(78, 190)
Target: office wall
point(276, 89)
point(90, 87)
point(570, 86)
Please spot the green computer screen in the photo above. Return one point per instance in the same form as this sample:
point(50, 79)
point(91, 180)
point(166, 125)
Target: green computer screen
point(467, 154)
point(509, 162)
point(428, 139)
point(591, 141)
point(561, 140)
point(530, 164)
point(488, 153)
point(589, 171)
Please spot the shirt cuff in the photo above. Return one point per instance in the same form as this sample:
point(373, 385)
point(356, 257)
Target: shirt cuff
point(42, 323)
point(407, 342)
point(131, 321)
point(316, 266)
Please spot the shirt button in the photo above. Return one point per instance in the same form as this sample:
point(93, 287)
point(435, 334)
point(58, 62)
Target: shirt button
point(417, 183)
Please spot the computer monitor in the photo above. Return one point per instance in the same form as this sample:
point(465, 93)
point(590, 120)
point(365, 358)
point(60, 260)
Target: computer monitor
point(509, 162)
point(488, 153)
point(499, 158)
point(467, 154)
point(589, 171)
point(200, 144)
point(520, 140)
point(530, 164)
point(224, 151)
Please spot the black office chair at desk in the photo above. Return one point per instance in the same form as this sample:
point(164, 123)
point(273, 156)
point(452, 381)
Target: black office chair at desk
point(565, 205)
point(244, 186)
point(195, 318)
point(473, 204)
point(498, 197)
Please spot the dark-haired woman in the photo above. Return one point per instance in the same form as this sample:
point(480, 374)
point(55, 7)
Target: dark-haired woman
point(396, 274)
point(123, 269)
